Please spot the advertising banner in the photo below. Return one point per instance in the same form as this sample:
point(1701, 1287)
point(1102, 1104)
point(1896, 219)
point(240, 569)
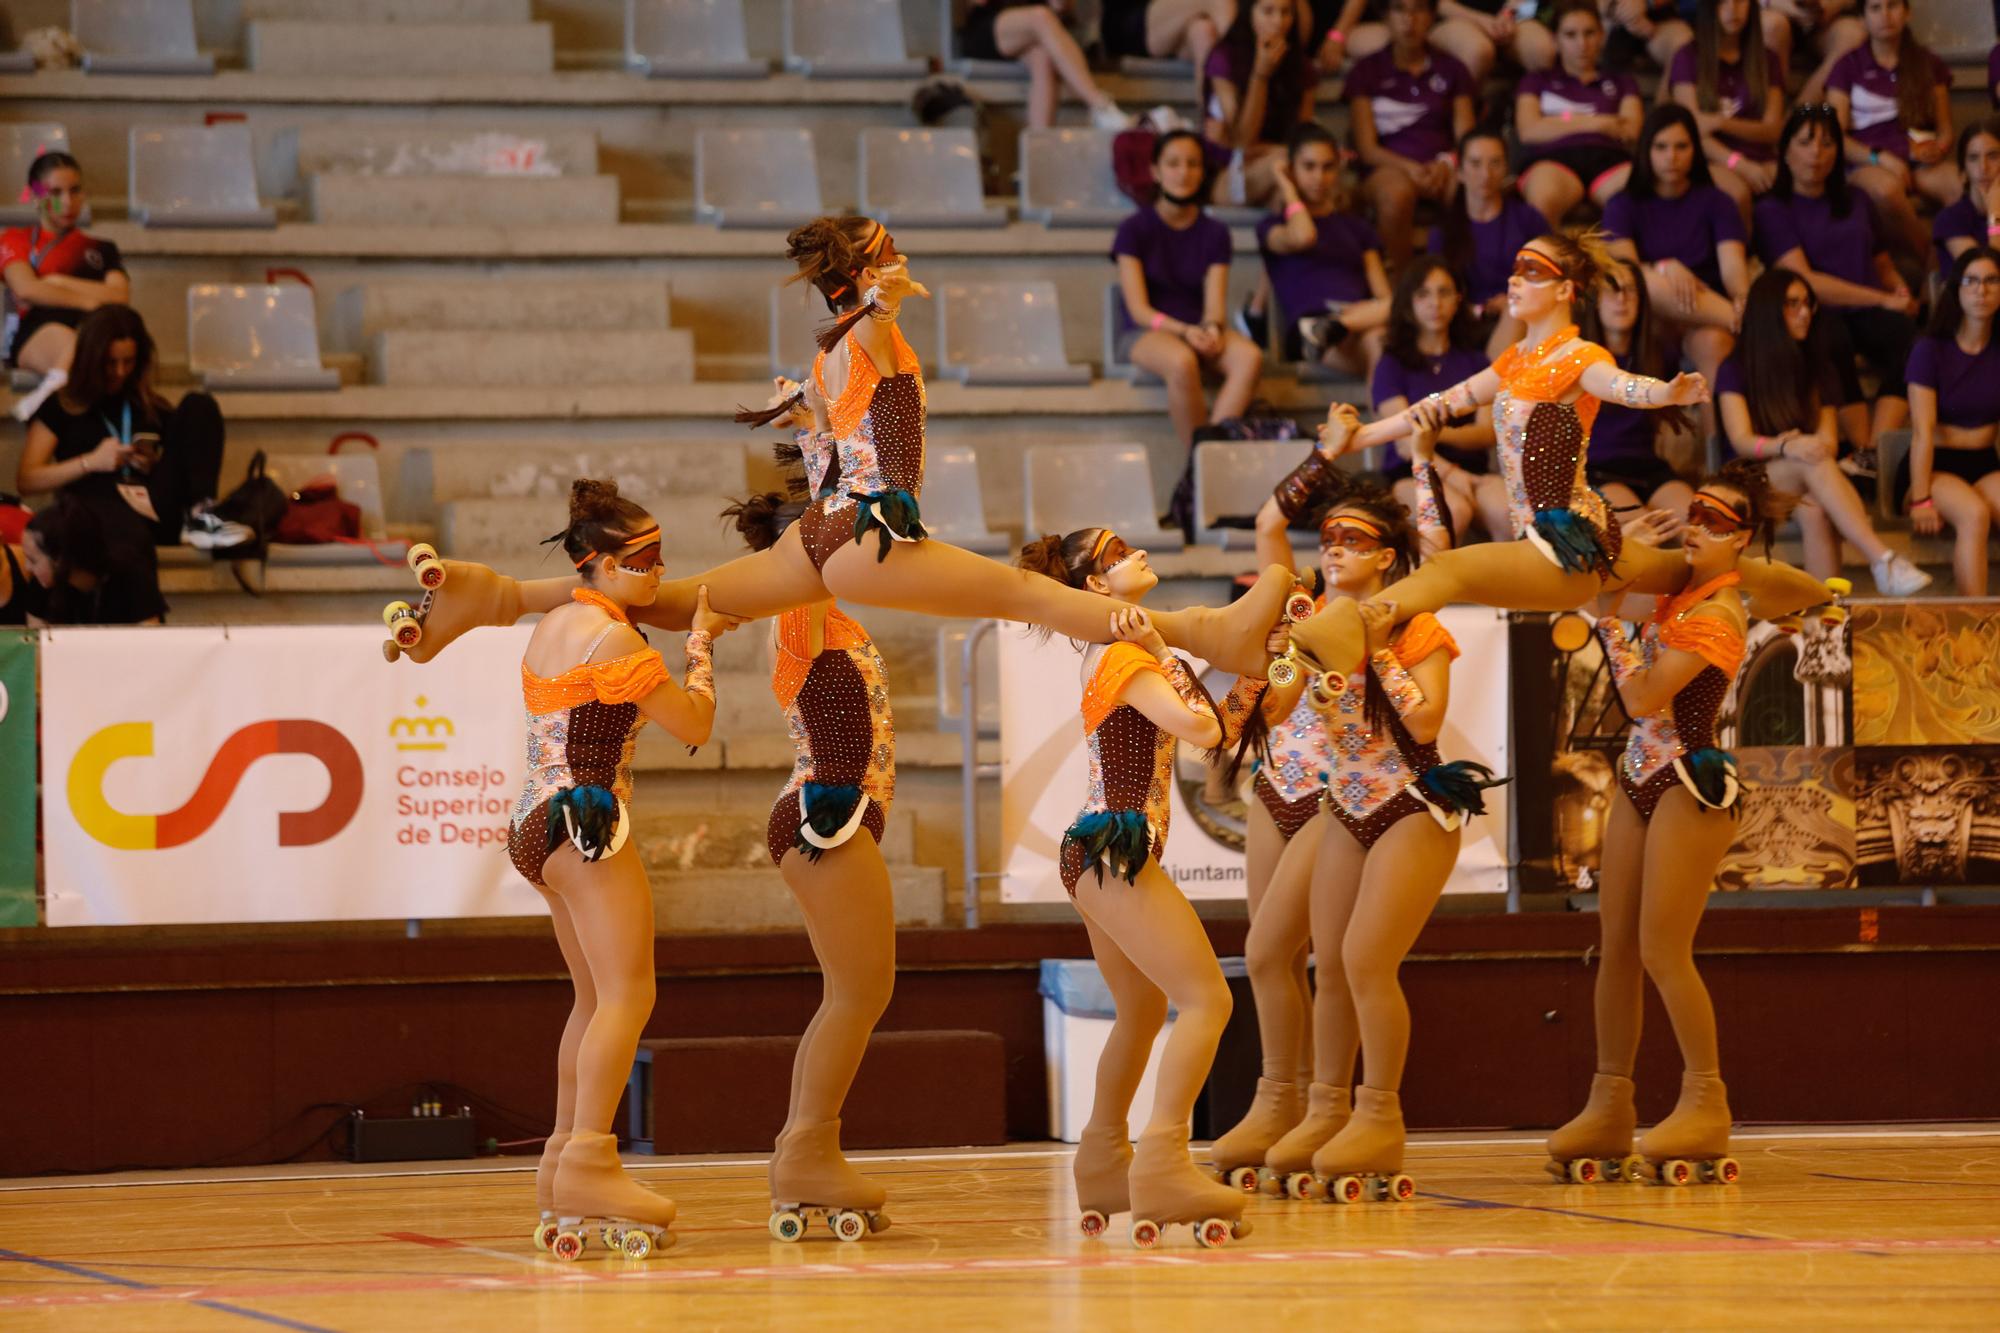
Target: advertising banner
point(17, 778)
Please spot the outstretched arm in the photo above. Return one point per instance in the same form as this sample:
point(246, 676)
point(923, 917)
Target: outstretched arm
point(1432, 410)
point(1627, 389)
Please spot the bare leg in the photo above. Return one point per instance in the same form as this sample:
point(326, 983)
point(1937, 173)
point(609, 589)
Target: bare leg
point(611, 905)
point(1274, 952)
point(1467, 44)
point(583, 1003)
point(1393, 196)
point(1242, 361)
point(1103, 1158)
point(1970, 512)
point(52, 347)
point(1043, 94)
point(1619, 995)
point(1177, 365)
point(1336, 882)
point(1552, 189)
point(1400, 884)
point(1534, 45)
point(1836, 39)
point(1893, 201)
point(1834, 491)
point(1683, 847)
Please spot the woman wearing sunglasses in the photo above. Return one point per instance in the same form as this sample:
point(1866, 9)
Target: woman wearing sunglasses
point(1672, 819)
point(1951, 475)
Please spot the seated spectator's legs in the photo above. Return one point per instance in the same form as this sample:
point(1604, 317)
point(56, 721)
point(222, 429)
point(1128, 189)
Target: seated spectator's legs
point(1392, 196)
point(1883, 338)
point(1241, 362)
point(1822, 543)
point(1176, 364)
point(51, 347)
point(1970, 511)
point(1260, 174)
point(1035, 36)
point(1553, 189)
point(1468, 44)
point(190, 465)
point(1736, 188)
point(1833, 41)
point(1357, 353)
point(1907, 231)
point(1534, 45)
point(1940, 182)
point(1365, 40)
point(1186, 29)
point(1777, 26)
point(1668, 37)
point(1835, 501)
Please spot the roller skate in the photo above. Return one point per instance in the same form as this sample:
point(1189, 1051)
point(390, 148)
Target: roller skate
point(458, 596)
point(1287, 1172)
point(545, 1189)
point(1168, 1188)
point(1232, 638)
point(1235, 1157)
point(1284, 670)
point(591, 1185)
point(1365, 1160)
point(1321, 641)
point(1834, 613)
point(1597, 1144)
point(810, 1181)
point(1102, 1167)
point(1692, 1143)
point(1772, 589)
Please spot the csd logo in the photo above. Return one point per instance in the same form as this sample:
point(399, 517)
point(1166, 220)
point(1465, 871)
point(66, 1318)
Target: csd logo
point(134, 740)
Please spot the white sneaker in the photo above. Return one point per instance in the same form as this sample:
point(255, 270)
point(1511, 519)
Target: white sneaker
point(1109, 117)
point(205, 532)
point(31, 402)
point(1895, 576)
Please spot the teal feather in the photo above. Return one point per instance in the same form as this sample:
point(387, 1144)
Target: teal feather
point(895, 513)
point(595, 813)
point(1572, 539)
point(828, 808)
point(1457, 785)
point(1118, 839)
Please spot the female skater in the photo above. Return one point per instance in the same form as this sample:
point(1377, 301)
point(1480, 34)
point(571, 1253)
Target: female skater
point(1671, 822)
point(591, 684)
point(1138, 701)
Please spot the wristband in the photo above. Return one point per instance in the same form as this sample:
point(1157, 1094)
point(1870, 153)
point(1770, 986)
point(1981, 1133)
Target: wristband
point(1993, 229)
point(1732, 160)
point(1924, 503)
point(1760, 445)
point(1566, 117)
point(1159, 321)
point(1293, 209)
point(1336, 35)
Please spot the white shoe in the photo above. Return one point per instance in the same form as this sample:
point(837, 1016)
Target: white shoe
point(1895, 576)
point(1109, 117)
point(205, 532)
point(31, 402)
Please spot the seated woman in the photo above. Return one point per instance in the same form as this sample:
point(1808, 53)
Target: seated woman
point(88, 572)
point(55, 275)
point(1258, 85)
point(1407, 105)
point(1828, 28)
point(1726, 78)
point(1165, 29)
point(1483, 228)
point(1815, 225)
point(1975, 218)
point(1472, 32)
point(1893, 98)
point(20, 595)
point(1643, 29)
point(1951, 474)
point(1625, 464)
point(1777, 399)
point(1173, 270)
point(1432, 346)
point(1032, 32)
point(1576, 123)
point(1687, 235)
point(1324, 263)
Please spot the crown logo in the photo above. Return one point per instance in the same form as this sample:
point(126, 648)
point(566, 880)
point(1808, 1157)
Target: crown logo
point(422, 733)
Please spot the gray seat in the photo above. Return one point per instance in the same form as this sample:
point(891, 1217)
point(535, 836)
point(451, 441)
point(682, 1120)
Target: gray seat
point(1891, 447)
point(1066, 487)
point(689, 39)
point(137, 37)
point(359, 482)
point(924, 178)
point(1233, 479)
point(1003, 333)
point(1116, 366)
point(1066, 179)
point(796, 310)
point(256, 337)
point(1155, 67)
point(848, 39)
point(756, 177)
point(951, 13)
point(195, 176)
point(954, 506)
point(20, 145)
point(1960, 32)
point(17, 62)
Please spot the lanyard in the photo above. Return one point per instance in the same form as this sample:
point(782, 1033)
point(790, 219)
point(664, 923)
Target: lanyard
point(124, 429)
point(35, 256)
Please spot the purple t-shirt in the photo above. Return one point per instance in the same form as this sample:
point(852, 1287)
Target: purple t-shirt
point(1330, 271)
point(1393, 379)
point(1176, 262)
point(1412, 111)
point(1279, 121)
point(1732, 96)
point(1494, 245)
point(1555, 92)
point(1624, 433)
point(1871, 96)
point(1689, 228)
point(1845, 247)
point(1967, 387)
point(1963, 218)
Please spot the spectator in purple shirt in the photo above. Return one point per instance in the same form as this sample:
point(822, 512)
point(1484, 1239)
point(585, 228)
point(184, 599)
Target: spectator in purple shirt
point(1951, 474)
point(1642, 28)
point(1575, 122)
point(1472, 32)
point(1976, 215)
point(1830, 27)
point(1483, 228)
point(1815, 224)
point(1624, 462)
point(1407, 105)
point(1671, 219)
point(1324, 262)
point(1725, 78)
point(1257, 87)
point(1173, 271)
point(1894, 101)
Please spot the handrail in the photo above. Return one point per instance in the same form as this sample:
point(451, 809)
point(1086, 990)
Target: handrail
point(969, 768)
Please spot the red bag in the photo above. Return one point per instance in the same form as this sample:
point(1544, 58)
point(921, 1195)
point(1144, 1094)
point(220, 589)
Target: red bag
point(1132, 165)
point(317, 515)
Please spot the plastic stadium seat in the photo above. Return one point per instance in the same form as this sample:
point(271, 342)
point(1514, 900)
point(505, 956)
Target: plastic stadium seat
point(1960, 32)
point(137, 37)
point(17, 62)
point(796, 310)
point(953, 505)
point(355, 475)
point(924, 178)
point(1115, 366)
point(689, 39)
point(756, 177)
point(950, 14)
point(20, 145)
point(195, 176)
point(1233, 479)
point(848, 39)
point(1070, 486)
point(1066, 179)
point(1003, 333)
point(261, 337)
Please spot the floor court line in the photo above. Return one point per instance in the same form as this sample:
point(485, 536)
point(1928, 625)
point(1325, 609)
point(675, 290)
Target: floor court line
point(126, 1284)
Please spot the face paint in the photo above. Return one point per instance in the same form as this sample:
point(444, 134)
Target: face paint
point(1534, 266)
point(646, 560)
point(1351, 532)
point(1712, 514)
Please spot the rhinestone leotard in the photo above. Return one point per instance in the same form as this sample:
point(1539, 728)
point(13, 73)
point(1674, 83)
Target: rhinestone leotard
point(1543, 441)
point(876, 450)
point(1646, 770)
point(1369, 770)
point(837, 710)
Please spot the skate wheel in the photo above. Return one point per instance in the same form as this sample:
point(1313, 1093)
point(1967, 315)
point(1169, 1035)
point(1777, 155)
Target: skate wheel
point(1632, 1168)
point(1400, 1188)
point(1242, 1178)
point(1213, 1233)
point(1283, 671)
point(1298, 607)
point(1583, 1171)
point(1724, 1170)
point(1839, 587)
point(395, 610)
point(1145, 1234)
point(545, 1232)
point(636, 1244)
point(848, 1226)
point(424, 563)
point(1833, 617)
point(1271, 1183)
point(612, 1236)
point(1299, 1184)
point(567, 1246)
point(877, 1222)
point(1790, 626)
point(1675, 1172)
point(1092, 1224)
point(787, 1227)
point(1347, 1189)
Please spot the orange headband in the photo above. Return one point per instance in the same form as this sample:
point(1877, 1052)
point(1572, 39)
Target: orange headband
point(1537, 257)
point(1104, 537)
point(870, 247)
point(1709, 500)
point(1354, 521)
point(651, 534)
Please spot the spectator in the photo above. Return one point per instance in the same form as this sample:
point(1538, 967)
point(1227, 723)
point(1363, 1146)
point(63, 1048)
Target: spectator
point(1166, 29)
point(55, 275)
point(1951, 474)
point(1257, 87)
point(1406, 106)
point(1625, 463)
point(1575, 122)
point(1032, 32)
point(1324, 262)
point(1650, 28)
point(1832, 27)
point(1777, 397)
point(1893, 98)
point(1688, 236)
point(1725, 77)
point(110, 442)
point(1432, 345)
point(1472, 32)
point(1173, 270)
point(1814, 224)
point(89, 574)
point(20, 595)
point(1482, 229)
point(1976, 215)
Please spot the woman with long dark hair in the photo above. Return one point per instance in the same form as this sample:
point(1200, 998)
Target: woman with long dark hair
point(1258, 85)
point(1324, 262)
point(88, 572)
point(1482, 229)
point(1406, 105)
point(1951, 474)
point(1625, 462)
point(1893, 98)
point(54, 275)
point(1737, 96)
point(1969, 222)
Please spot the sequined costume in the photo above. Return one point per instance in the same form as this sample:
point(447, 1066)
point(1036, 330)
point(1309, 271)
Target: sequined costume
point(1372, 778)
point(875, 450)
point(1542, 443)
point(1677, 743)
point(1124, 820)
point(837, 710)
point(582, 728)
point(1292, 774)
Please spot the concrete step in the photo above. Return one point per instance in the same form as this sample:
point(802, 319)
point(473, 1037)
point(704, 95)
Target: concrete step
point(431, 201)
point(736, 900)
point(583, 305)
point(388, 11)
point(641, 471)
point(421, 148)
point(411, 359)
point(734, 839)
point(386, 50)
point(503, 531)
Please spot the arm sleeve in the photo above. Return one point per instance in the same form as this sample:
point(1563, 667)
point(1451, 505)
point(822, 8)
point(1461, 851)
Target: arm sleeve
point(1776, 233)
point(1620, 223)
point(624, 680)
point(1724, 221)
point(114, 262)
point(14, 246)
point(1923, 365)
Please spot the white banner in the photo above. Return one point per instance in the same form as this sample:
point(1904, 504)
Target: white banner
point(1044, 771)
point(278, 773)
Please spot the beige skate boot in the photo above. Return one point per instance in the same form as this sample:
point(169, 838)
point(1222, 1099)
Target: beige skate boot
point(1232, 637)
point(1693, 1141)
point(1365, 1160)
point(545, 1189)
point(1102, 1169)
point(461, 596)
point(591, 1184)
point(1331, 640)
point(1597, 1144)
point(1274, 1111)
point(1287, 1169)
point(1167, 1187)
point(810, 1179)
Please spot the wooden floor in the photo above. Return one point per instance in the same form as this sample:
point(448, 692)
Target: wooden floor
point(1895, 1228)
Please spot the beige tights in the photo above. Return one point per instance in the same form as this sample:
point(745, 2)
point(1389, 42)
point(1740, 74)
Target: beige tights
point(851, 920)
point(1279, 942)
point(609, 906)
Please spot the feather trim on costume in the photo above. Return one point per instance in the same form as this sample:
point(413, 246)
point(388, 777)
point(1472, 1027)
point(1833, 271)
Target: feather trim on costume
point(1710, 774)
point(1567, 538)
point(1453, 791)
point(1119, 839)
point(829, 816)
point(593, 819)
point(894, 514)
